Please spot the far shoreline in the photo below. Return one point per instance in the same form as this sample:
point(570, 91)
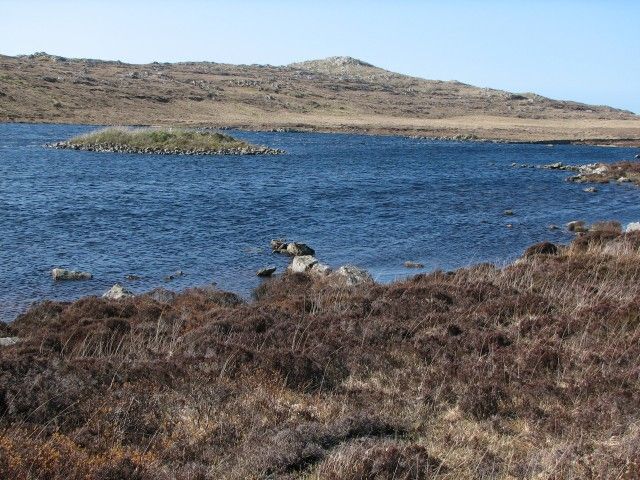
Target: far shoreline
point(460, 136)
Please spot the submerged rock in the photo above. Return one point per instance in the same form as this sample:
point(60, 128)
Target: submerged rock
point(174, 275)
point(132, 278)
point(302, 263)
point(266, 272)
point(409, 264)
point(64, 274)
point(508, 212)
point(590, 190)
point(118, 292)
point(350, 275)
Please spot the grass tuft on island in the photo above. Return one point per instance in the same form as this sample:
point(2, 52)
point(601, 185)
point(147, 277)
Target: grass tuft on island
point(526, 371)
point(163, 141)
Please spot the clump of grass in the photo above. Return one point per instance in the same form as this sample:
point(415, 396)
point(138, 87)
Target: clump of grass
point(527, 371)
point(153, 140)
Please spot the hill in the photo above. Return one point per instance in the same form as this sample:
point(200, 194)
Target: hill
point(334, 94)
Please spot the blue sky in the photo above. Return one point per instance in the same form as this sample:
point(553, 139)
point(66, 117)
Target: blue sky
point(580, 50)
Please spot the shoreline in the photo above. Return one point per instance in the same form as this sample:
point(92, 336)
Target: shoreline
point(461, 135)
point(419, 371)
point(307, 264)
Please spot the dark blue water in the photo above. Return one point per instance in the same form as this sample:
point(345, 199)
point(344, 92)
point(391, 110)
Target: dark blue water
point(372, 201)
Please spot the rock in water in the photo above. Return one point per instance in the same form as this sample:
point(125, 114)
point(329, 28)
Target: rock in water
point(351, 275)
point(299, 249)
point(591, 190)
point(543, 248)
point(577, 226)
point(118, 292)
point(302, 263)
point(174, 275)
point(409, 264)
point(64, 274)
point(279, 245)
point(266, 272)
point(554, 166)
point(633, 227)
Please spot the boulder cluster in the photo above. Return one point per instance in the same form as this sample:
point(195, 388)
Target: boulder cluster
point(304, 261)
point(114, 148)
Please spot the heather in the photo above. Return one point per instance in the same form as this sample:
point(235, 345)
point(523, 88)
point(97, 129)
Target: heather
point(526, 371)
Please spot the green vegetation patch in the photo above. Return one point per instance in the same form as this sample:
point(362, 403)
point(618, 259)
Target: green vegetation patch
point(159, 139)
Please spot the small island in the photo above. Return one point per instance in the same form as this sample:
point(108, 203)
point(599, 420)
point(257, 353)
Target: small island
point(162, 141)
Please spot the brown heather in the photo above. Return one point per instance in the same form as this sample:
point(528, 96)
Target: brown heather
point(531, 371)
point(629, 170)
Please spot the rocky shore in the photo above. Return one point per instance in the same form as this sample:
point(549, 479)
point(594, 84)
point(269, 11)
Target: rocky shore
point(115, 148)
point(618, 172)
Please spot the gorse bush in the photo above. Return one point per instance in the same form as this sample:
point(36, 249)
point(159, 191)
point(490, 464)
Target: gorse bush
point(529, 371)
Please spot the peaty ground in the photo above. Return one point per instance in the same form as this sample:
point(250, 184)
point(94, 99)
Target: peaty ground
point(530, 371)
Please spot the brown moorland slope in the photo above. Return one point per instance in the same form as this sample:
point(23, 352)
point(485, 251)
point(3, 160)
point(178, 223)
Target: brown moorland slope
point(334, 94)
point(530, 371)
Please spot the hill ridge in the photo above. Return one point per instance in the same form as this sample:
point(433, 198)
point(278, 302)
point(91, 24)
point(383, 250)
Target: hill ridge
point(339, 93)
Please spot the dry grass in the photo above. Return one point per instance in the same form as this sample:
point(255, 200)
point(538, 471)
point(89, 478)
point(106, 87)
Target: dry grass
point(324, 95)
point(530, 371)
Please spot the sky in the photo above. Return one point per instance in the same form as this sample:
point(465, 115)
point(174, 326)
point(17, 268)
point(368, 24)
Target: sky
point(586, 50)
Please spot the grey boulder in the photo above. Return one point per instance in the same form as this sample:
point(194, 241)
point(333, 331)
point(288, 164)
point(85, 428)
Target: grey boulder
point(633, 227)
point(118, 292)
point(266, 272)
point(577, 226)
point(350, 275)
point(64, 274)
point(410, 264)
point(320, 269)
point(299, 249)
point(8, 341)
point(302, 263)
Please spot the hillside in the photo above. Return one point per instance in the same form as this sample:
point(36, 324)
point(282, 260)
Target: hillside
point(334, 94)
